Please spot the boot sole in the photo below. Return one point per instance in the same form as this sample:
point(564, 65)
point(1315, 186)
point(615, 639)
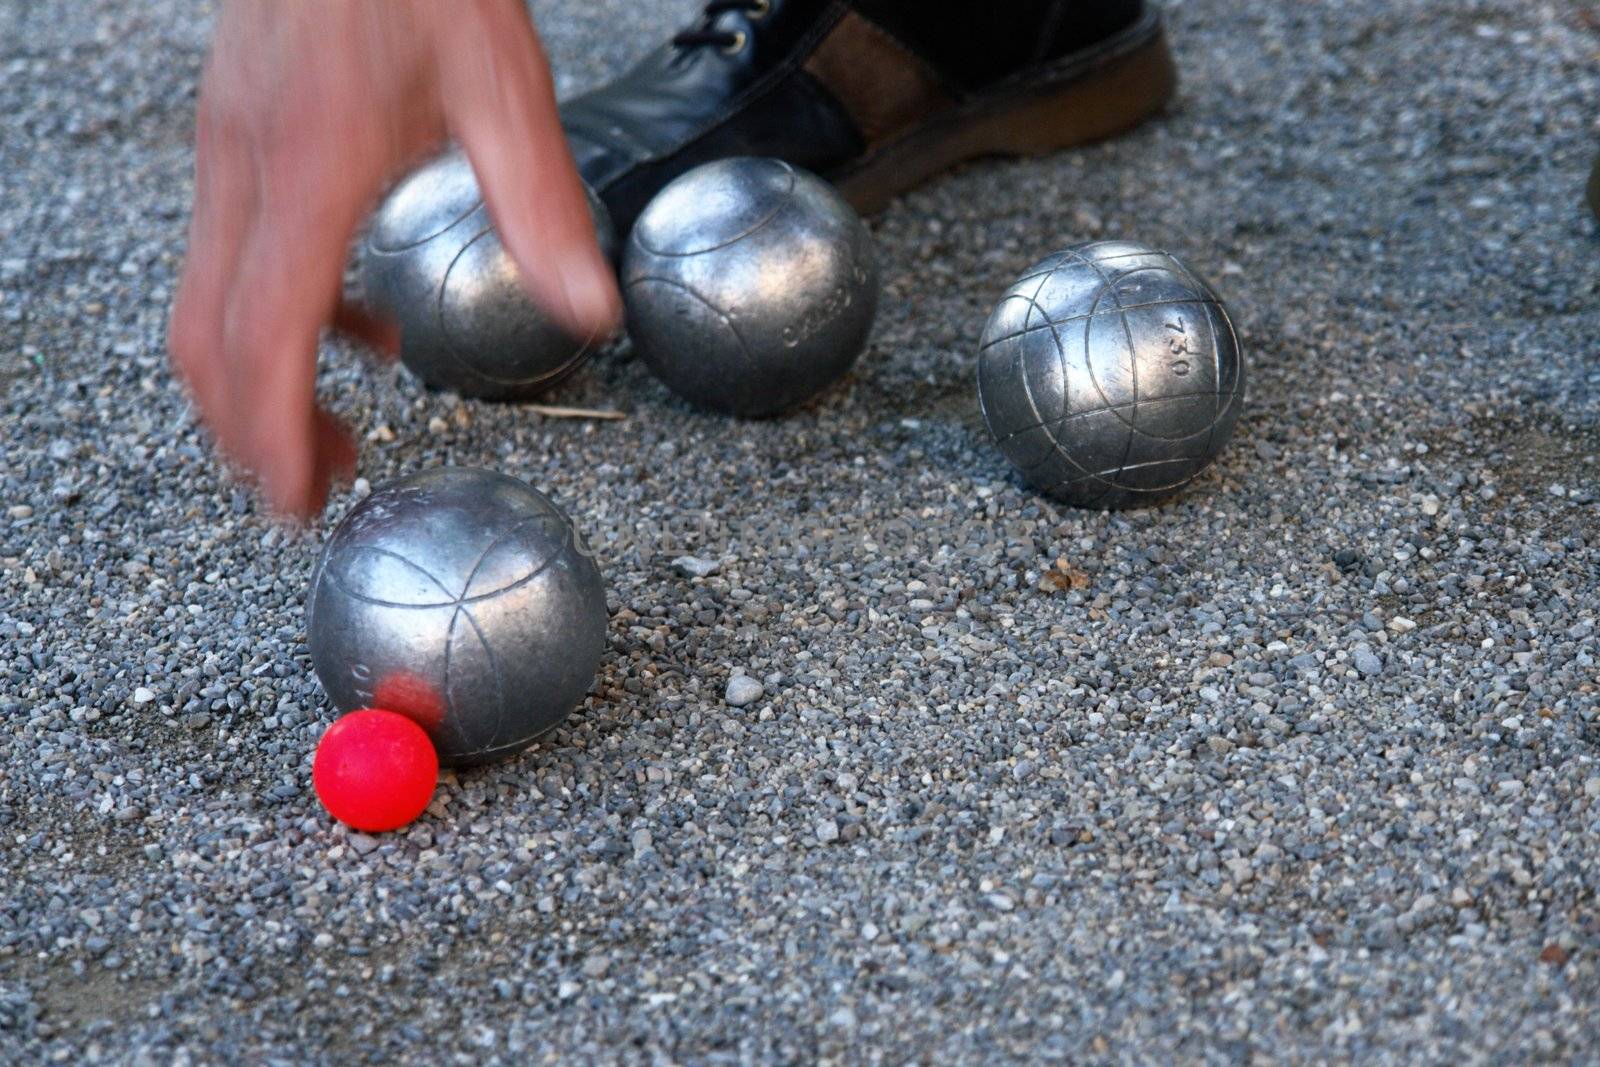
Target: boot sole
point(1075, 103)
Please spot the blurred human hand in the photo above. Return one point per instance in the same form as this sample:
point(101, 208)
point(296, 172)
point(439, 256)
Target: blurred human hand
point(307, 110)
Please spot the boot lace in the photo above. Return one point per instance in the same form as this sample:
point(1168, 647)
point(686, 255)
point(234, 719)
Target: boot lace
point(709, 33)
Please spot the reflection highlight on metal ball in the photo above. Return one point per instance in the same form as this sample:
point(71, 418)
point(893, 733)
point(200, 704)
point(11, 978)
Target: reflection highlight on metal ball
point(751, 286)
point(433, 261)
point(1110, 375)
point(465, 600)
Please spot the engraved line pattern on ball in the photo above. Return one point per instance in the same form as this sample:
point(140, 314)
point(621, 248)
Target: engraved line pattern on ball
point(1110, 286)
point(1109, 479)
point(494, 671)
point(1090, 476)
point(723, 316)
point(787, 197)
point(454, 346)
point(1133, 362)
point(344, 587)
point(1165, 347)
point(1154, 490)
point(1061, 359)
point(1057, 261)
point(1216, 376)
point(418, 242)
point(450, 630)
point(1106, 477)
point(1117, 479)
point(1069, 416)
point(1063, 320)
point(1027, 386)
point(461, 605)
point(1107, 284)
point(1197, 285)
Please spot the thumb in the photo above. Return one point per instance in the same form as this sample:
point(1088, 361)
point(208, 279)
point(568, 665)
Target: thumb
point(501, 106)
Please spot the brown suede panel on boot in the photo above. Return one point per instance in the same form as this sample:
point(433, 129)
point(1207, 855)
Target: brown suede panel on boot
point(881, 84)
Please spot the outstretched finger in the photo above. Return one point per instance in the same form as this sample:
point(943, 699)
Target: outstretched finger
point(335, 456)
point(224, 204)
point(285, 290)
point(501, 106)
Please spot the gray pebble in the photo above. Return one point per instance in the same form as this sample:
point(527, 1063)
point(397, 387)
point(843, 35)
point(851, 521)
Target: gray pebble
point(743, 690)
point(695, 567)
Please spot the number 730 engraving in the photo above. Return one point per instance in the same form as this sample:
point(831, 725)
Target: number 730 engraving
point(1178, 346)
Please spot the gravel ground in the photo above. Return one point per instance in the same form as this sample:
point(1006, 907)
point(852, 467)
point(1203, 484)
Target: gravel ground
point(1302, 767)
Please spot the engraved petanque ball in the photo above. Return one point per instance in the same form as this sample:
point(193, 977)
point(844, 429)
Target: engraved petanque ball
point(433, 262)
point(750, 286)
point(465, 600)
point(1110, 375)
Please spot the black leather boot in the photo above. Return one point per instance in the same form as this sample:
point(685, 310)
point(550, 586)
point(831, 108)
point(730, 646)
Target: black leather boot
point(875, 95)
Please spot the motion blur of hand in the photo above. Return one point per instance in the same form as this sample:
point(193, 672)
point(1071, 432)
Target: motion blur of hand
point(307, 110)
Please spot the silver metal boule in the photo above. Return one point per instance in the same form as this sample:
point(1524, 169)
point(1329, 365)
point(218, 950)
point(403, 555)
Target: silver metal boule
point(1110, 375)
point(465, 600)
point(434, 263)
point(750, 286)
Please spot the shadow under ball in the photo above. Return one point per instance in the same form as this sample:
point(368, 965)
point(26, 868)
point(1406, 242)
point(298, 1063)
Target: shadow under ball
point(1110, 375)
point(433, 262)
point(750, 286)
point(465, 600)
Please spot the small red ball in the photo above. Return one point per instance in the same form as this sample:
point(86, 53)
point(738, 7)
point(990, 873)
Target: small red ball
point(375, 770)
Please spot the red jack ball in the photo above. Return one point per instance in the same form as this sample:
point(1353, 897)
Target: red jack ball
point(375, 770)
